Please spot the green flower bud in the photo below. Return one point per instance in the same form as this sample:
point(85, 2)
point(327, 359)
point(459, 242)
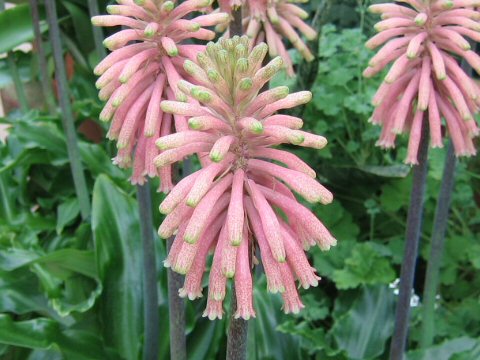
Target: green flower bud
point(167, 6)
point(201, 95)
point(213, 75)
point(241, 66)
point(245, 84)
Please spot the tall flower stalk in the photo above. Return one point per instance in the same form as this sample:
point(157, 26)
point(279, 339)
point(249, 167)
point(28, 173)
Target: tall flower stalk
point(239, 201)
point(424, 85)
point(237, 335)
point(45, 79)
point(67, 112)
point(439, 229)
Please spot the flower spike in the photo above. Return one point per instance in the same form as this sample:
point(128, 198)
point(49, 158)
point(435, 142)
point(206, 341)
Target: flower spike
point(233, 204)
point(423, 42)
point(135, 77)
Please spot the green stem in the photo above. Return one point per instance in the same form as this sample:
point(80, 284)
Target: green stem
point(238, 329)
point(176, 310)
point(151, 316)
point(97, 30)
point(436, 251)
point(67, 118)
point(412, 235)
point(17, 82)
point(42, 59)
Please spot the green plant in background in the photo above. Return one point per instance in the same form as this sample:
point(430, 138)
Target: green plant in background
point(40, 223)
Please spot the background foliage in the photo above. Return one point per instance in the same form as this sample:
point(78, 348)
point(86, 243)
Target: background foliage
point(72, 289)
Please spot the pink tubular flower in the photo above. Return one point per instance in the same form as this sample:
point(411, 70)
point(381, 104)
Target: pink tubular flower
point(264, 20)
point(135, 77)
point(233, 204)
point(425, 80)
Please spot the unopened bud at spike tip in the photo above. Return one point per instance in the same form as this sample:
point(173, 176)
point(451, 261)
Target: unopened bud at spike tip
point(150, 30)
point(167, 6)
point(421, 19)
point(242, 65)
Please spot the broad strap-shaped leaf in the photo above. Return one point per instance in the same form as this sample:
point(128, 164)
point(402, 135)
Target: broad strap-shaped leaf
point(363, 328)
point(68, 276)
point(16, 27)
point(265, 341)
point(118, 247)
point(462, 348)
point(43, 333)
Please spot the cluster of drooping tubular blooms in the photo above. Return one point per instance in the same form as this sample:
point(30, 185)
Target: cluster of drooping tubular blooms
point(242, 198)
point(269, 20)
point(143, 68)
point(424, 41)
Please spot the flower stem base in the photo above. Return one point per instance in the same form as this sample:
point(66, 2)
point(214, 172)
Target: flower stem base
point(237, 334)
point(413, 232)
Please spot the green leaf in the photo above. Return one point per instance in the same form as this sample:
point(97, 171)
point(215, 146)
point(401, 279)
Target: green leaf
point(16, 27)
point(399, 170)
point(365, 266)
point(116, 230)
point(338, 221)
point(14, 258)
point(282, 79)
point(326, 262)
point(313, 339)
point(42, 333)
point(205, 339)
point(66, 213)
point(60, 261)
point(20, 294)
point(395, 194)
point(60, 274)
point(82, 25)
point(34, 334)
point(364, 328)
point(265, 340)
point(474, 255)
point(473, 353)
point(7, 199)
point(98, 162)
point(76, 53)
point(78, 294)
point(444, 351)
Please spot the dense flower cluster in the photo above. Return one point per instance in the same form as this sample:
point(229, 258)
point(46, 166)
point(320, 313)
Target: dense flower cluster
point(269, 20)
point(241, 199)
point(144, 67)
point(423, 40)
